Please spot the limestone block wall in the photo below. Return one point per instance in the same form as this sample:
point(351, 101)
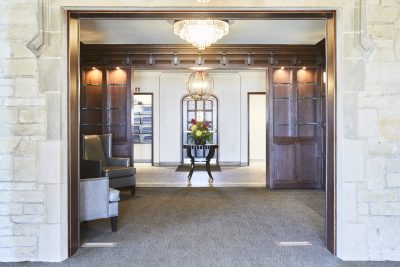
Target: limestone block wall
point(29, 149)
point(33, 113)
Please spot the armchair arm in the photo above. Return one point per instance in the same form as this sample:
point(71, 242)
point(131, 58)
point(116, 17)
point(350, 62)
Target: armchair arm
point(94, 198)
point(119, 161)
point(90, 168)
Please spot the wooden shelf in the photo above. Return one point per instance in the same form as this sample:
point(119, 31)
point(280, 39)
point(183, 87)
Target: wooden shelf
point(105, 96)
point(93, 84)
point(88, 108)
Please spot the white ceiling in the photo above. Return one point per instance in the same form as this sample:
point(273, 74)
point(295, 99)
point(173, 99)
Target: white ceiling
point(241, 32)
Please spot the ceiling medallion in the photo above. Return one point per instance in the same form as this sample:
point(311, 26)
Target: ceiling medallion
point(201, 33)
point(200, 85)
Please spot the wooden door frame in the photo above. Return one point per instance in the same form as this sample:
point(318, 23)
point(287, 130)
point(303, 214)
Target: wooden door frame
point(73, 132)
point(73, 17)
point(248, 124)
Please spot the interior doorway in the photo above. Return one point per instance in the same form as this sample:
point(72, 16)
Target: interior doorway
point(74, 111)
point(142, 110)
point(257, 106)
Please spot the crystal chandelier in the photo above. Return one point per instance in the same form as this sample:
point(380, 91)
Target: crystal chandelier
point(201, 33)
point(200, 85)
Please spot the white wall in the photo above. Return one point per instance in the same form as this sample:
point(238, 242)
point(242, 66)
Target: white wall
point(257, 129)
point(251, 81)
point(172, 89)
point(231, 90)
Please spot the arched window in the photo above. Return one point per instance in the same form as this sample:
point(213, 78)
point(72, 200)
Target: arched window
point(204, 110)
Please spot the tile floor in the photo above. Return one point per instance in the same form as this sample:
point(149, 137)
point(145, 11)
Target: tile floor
point(229, 176)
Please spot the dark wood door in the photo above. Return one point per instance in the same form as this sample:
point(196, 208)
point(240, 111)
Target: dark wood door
point(295, 128)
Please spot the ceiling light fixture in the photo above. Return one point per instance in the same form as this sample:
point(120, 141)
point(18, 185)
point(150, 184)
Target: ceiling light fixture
point(201, 33)
point(200, 85)
point(203, 1)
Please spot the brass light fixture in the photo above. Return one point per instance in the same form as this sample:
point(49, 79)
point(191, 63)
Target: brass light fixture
point(200, 85)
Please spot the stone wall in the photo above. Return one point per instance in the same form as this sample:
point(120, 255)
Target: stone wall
point(26, 144)
point(33, 108)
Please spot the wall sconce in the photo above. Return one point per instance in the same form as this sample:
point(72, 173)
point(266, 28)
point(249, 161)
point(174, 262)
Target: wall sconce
point(324, 77)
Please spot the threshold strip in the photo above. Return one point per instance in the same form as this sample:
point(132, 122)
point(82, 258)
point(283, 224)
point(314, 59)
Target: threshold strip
point(99, 244)
point(294, 244)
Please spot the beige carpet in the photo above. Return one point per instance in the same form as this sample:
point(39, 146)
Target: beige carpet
point(212, 227)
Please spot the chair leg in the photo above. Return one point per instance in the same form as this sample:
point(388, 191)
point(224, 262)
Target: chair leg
point(133, 190)
point(114, 223)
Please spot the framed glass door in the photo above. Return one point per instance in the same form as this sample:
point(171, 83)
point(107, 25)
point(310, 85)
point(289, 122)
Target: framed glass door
point(204, 111)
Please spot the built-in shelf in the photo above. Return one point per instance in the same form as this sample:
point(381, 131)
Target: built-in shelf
point(311, 83)
point(88, 108)
point(283, 98)
point(120, 108)
point(307, 98)
point(143, 120)
point(92, 84)
point(92, 124)
point(105, 98)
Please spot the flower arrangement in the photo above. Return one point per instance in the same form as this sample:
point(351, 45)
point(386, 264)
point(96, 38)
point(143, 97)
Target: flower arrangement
point(200, 132)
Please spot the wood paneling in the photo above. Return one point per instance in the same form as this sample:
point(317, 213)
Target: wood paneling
point(184, 56)
point(284, 162)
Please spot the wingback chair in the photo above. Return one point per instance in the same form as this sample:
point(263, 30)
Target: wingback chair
point(97, 161)
point(98, 201)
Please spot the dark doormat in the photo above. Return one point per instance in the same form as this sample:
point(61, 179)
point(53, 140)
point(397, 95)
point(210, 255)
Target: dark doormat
point(197, 167)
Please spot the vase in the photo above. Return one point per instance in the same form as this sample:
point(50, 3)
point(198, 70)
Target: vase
point(199, 142)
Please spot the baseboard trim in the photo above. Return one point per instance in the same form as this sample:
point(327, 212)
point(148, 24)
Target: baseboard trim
point(169, 164)
point(229, 163)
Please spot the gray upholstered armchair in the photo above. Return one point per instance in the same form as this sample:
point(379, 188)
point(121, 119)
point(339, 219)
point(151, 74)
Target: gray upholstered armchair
point(97, 161)
point(98, 201)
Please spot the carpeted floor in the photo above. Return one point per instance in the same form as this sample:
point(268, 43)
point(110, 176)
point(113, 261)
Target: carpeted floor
point(211, 227)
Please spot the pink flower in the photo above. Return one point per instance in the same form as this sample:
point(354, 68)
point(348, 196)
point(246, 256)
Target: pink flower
point(193, 121)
